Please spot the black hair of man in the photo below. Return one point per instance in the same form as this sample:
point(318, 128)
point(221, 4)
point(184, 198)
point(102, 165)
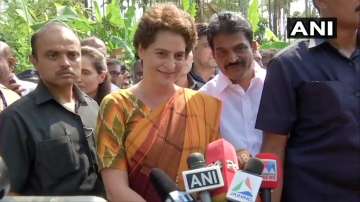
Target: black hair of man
point(227, 22)
point(47, 26)
point(112, 61)
point(201, 29)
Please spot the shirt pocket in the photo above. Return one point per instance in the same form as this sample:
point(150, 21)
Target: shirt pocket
point(322, 100)
point(57, 157)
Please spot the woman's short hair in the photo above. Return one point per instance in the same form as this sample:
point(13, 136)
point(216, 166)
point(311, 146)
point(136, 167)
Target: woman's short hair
point(98, 60)
point(165, 17)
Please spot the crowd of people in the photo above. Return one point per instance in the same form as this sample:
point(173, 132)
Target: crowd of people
point(82, 123)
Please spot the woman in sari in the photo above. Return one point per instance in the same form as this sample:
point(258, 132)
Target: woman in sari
point(155, 123)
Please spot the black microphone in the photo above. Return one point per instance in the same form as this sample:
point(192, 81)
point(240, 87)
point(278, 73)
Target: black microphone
point(4, 179)
point(166, 187)
point(196, 160)
point(246, 183)
point(254, 166)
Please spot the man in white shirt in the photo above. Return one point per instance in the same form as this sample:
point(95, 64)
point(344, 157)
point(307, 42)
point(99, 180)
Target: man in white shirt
point(240, 82)
point(7, 67)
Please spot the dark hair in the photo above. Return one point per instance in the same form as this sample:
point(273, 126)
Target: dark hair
point(228, 23)
point(99, 62)
point(201, 29)
point(95, 43)
point(165, 17)
point(43, 29)
point(112, 61)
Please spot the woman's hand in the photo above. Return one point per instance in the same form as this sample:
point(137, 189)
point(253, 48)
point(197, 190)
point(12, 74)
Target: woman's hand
point(117, 186)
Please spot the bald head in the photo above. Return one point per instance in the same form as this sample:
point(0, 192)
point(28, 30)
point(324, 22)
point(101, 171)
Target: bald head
point(5, 50)
point(50, 28)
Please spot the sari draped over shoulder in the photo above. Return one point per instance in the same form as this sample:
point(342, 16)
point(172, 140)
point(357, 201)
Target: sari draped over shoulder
point(134, 138)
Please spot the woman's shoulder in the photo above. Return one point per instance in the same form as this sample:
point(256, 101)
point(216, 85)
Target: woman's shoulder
point(122, 98)
point(196, 95)
point(201, 99)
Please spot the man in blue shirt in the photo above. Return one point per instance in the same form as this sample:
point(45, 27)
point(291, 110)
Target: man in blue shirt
point(310, 112)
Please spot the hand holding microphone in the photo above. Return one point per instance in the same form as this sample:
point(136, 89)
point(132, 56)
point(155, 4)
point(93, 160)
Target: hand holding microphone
point(243, 156)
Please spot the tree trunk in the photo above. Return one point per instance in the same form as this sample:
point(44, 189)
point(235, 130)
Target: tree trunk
point(270, 14)
point(275, 17)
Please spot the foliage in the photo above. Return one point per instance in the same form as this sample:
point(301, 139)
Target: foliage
point(190, 7)
point(23, 17)
point(253, 14)
point(260, 26)
point(116, 25)
point(278, 45)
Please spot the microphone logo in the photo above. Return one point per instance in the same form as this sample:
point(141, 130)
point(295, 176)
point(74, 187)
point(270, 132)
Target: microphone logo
point(269, 173)
point(244, 187)
point(203, 179)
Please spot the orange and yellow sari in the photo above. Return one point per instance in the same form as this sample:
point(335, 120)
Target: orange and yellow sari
point(134, 138)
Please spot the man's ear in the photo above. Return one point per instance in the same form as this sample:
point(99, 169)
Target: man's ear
point(141, 51)
point(33, 60)
point(320, 4)
point(12, 63)
point(102, 77)
point(254, 46)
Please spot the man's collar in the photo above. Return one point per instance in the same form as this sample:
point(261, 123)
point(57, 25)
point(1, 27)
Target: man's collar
point(223, 81)
point(316, 42)
point(42, 94)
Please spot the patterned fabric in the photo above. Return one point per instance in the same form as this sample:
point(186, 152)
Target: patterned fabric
point(134, 138)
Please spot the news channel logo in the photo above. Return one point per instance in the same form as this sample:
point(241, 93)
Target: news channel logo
point(269, 172)
point(244, 187)
point(311, 28)
point(203, 179)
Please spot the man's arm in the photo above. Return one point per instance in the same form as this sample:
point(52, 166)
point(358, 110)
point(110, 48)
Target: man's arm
point(117, 186)
point(276, 144)
point(14, 149)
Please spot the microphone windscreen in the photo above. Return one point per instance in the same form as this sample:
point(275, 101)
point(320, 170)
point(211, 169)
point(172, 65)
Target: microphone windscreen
point(272, 170)
point(196, 160)
point(221, 152)
point(254, 166)
point(162, 183)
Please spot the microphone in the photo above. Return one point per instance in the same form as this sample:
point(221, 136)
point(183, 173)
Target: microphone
point(167, 189)
point(271, 174)
point(201, 178)
point(4, 179)
point(246, 184)
point(220, 152)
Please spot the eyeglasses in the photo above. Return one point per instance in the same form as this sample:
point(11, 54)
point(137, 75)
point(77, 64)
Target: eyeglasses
point(115, 73)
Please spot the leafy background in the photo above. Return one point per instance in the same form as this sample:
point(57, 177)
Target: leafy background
point(114, 23)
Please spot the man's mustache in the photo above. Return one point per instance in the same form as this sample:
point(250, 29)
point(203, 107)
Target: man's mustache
point(237, 63)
